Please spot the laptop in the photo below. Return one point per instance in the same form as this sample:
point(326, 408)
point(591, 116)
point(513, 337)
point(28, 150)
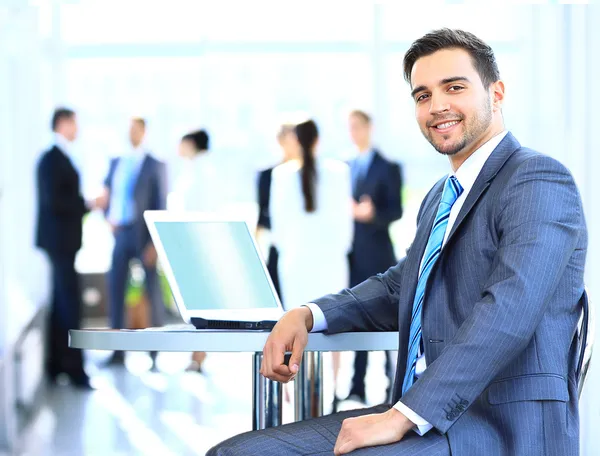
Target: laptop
point(215, 270)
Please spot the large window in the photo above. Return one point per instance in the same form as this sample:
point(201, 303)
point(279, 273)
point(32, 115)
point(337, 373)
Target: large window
point(238, 69)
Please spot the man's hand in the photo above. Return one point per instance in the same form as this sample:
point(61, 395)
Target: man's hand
point(100, 202)
point(289, 334)
point(364, 211)
point(149, 256)
point(372, 430)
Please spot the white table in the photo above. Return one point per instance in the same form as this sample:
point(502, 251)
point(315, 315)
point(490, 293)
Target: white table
point(266, 393)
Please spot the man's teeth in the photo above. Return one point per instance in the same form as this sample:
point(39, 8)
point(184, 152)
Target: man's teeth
point(446, 125)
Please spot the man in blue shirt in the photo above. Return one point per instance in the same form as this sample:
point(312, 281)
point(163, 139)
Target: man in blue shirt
point(376, 188)
point(136, 182)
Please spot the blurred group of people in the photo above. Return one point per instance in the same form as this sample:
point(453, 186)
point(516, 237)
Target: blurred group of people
point(329, 221)
point(326, 223)
point(136, 182)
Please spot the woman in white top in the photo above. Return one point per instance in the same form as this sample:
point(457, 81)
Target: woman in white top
point(198, 188)
point(311, 222)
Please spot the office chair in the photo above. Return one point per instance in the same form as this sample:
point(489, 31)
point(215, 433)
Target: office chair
point(586, 334)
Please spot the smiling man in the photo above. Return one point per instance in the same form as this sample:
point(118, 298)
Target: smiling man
point(486, 302)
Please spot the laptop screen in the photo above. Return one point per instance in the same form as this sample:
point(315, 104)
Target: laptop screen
point(215, 265)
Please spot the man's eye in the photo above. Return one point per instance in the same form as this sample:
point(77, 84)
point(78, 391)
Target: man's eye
point(421, 97)
point(456, 88)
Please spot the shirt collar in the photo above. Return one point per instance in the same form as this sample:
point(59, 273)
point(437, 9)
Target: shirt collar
point(470, 169)
point(366, 158)
point(136, 154)
point(62, 143)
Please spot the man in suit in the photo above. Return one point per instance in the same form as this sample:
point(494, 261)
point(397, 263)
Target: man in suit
point(376, 188)
point(59, 226)
point(136, 182)
point(486, 302)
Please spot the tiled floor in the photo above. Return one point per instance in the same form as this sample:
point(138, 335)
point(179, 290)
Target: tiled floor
point(135, 411)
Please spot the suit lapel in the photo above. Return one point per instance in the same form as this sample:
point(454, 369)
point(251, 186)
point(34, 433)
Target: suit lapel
point(491, 167)
point(70, 166)
point(362, 183)
point(417, 249)
point(142, 173)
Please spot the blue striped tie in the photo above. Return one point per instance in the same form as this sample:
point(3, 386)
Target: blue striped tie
point(452, 191)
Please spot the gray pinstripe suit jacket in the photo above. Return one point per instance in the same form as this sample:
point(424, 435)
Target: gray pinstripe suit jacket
point(500, 313)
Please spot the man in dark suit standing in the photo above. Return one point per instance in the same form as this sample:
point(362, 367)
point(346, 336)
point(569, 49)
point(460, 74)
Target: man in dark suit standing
point(60, 211)
point(376, 188)
point(136, 182)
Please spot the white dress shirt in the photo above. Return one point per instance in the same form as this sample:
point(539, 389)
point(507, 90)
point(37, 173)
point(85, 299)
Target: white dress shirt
point(466, 175)
point(66, 148)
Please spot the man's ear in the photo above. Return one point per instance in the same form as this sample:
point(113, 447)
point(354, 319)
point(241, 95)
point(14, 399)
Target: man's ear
point(497, 92)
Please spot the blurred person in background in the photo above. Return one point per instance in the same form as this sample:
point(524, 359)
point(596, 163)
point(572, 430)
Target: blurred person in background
point(311, 221)
point(198, 189)
point(376, 190)
point(61, 208)
point(136, 182)
point(286, 137)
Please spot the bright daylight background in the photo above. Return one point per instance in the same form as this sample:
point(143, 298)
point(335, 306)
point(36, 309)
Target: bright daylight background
point(237, 68)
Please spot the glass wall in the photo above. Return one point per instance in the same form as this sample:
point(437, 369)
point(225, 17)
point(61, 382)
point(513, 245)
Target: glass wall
point(238, 71)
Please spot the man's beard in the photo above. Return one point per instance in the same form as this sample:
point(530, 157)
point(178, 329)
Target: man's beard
point(473, 129)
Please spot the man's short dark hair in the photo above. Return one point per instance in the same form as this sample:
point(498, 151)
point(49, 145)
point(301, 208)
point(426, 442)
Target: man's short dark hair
point(482, 54)
point(366, 118)
point(61, 114)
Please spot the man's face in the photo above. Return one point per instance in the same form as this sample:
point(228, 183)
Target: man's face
point(70, 128)
point(453, 109)
point(360, 130)
point(136, 133)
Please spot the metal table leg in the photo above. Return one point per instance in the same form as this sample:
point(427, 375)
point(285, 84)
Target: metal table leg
point(308, 387)
point(266, 398)
point(301, 391)
point(316, 385)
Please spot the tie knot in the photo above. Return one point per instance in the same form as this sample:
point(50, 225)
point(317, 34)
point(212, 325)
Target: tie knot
point(452, 190)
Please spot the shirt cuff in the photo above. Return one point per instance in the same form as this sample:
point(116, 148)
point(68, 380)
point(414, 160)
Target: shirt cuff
point(319, 321)
point(421, 425)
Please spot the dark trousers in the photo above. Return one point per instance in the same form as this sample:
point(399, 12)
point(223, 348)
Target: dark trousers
point(65, 314)
point(360, 372)
point(317, 437)
point(124, 251)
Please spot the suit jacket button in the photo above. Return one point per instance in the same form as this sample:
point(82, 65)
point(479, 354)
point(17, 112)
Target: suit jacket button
point(450, 417)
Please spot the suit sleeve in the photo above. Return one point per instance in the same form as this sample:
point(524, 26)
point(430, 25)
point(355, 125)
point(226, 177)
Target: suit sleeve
point(55, 191)
point(160, 200)
point(539, 223)
point(390, 209)
point(369, 306)
point(263, 191)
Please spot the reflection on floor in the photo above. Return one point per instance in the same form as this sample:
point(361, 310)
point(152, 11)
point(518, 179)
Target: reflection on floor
point(135, 411)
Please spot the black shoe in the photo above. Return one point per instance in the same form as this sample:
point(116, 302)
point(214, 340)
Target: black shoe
point(117, 359)
point(335, 404)
point(356, 398)
point(82, 383)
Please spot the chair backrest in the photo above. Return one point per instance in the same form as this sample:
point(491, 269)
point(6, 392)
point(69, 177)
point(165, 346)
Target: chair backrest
point(586, 336)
